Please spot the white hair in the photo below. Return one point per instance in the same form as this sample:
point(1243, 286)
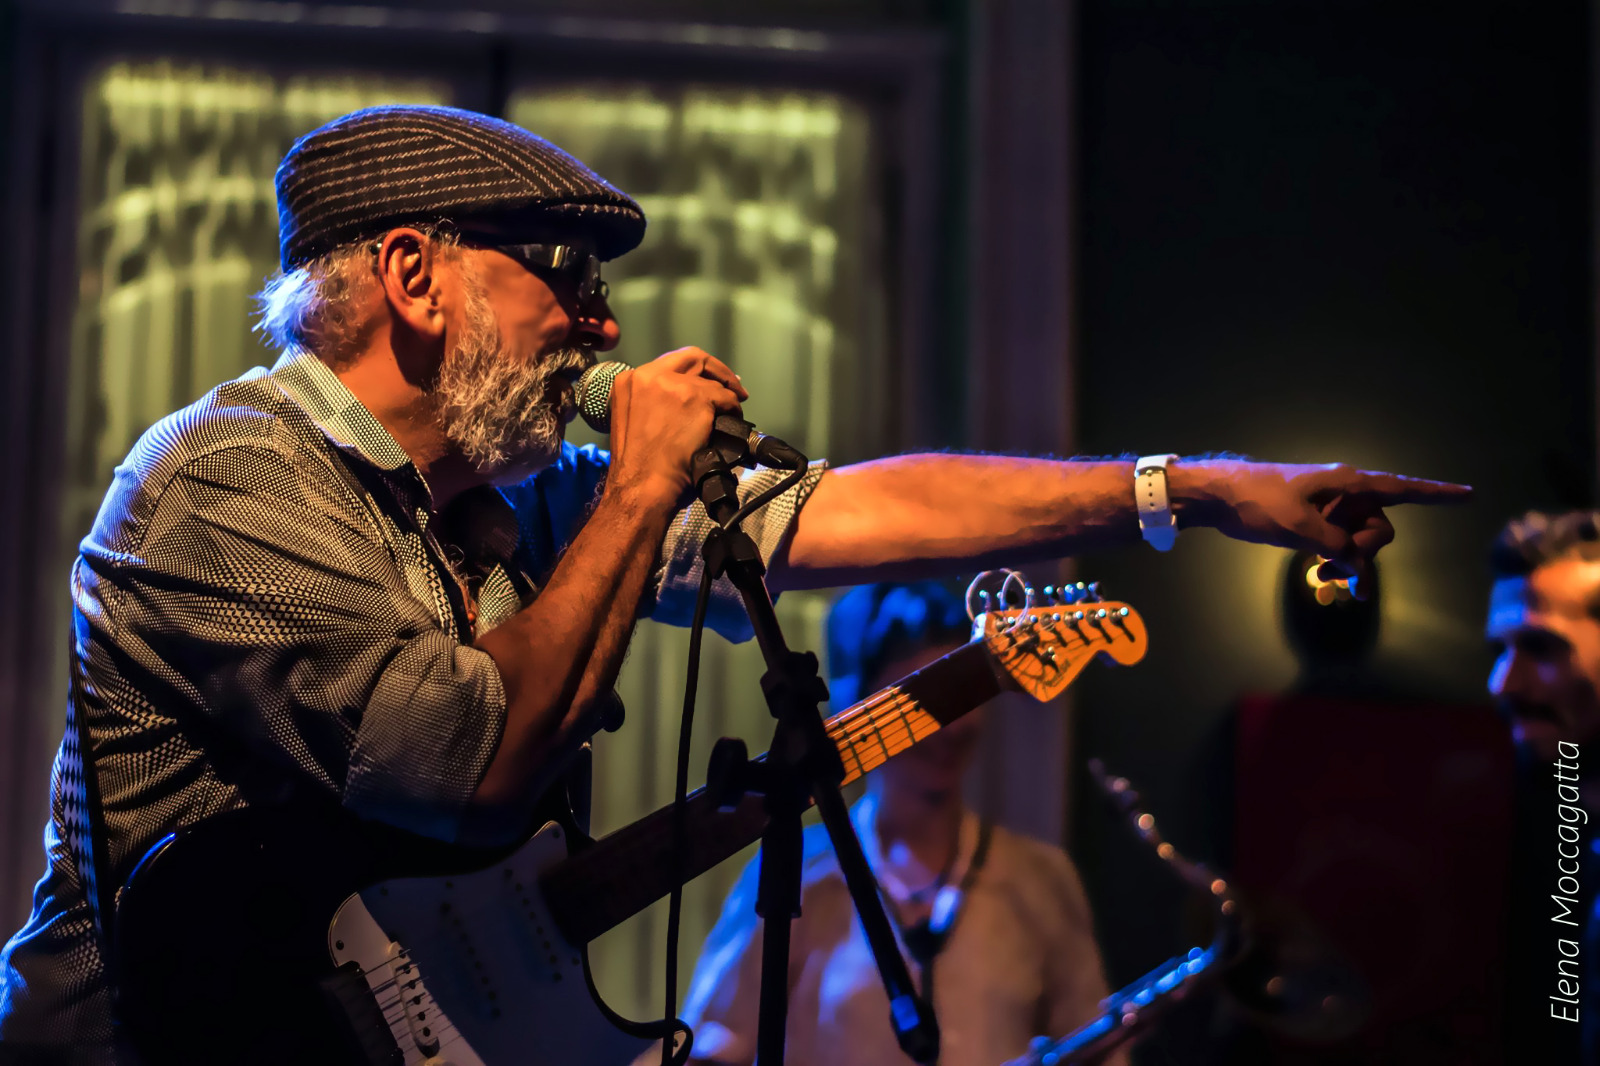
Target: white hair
point(312, 308)
point(502, 408)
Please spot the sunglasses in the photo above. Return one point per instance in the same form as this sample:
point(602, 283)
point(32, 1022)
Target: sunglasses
point(582, 268)
point(564, 260)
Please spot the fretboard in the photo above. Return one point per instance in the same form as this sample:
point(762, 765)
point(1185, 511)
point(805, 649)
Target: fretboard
point(624, 872)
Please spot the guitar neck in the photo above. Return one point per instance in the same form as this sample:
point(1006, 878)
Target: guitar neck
point(621, 874)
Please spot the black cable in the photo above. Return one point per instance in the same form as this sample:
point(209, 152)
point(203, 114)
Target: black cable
point(680, 811)
point(761, 499)
point(680, 796)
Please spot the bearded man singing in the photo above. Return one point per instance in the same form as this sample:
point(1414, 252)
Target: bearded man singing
point(376, 577)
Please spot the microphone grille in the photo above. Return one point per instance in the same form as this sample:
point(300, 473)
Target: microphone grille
point(593, 393)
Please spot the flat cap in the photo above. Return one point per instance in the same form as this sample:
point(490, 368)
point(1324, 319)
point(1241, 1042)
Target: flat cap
point(373, 169)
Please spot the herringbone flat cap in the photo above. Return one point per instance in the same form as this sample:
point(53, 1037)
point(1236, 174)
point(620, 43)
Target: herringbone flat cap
point(385, 166)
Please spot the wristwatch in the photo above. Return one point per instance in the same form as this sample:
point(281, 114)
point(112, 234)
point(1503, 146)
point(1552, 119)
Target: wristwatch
point(1156, 520)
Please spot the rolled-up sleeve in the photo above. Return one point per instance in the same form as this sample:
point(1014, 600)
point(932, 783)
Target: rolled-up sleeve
point(676, 581)
point(260, 607)
point(553, 505)
point(440, 698)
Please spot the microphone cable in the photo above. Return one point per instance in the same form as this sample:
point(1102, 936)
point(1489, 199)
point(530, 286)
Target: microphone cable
point(680, 796)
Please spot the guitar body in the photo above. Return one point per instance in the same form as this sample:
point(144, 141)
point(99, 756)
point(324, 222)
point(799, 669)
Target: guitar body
point(225, 951)
point(302, 934)
point(503, 978)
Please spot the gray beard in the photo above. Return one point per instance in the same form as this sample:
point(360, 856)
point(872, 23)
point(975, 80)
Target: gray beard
point(494, 404)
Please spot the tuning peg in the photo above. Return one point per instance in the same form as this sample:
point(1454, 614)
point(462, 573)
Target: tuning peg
point(1093, 591)
point(1050, 596)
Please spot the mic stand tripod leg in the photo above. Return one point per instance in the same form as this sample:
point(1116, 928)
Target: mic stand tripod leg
point(802, 760)
point(777, 904)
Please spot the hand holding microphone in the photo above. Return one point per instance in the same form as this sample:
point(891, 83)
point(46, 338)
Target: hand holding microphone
point(661, 414)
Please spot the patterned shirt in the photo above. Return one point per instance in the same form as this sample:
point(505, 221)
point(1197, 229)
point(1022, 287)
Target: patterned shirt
point(267, 605)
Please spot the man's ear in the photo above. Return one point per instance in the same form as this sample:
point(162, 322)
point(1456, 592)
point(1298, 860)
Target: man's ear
point(407, 268)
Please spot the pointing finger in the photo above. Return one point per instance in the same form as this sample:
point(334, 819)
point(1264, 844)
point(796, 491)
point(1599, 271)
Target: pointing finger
point(1385, 490)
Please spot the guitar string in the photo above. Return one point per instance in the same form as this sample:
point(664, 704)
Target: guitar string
point(393, 985)
point(870, 704)
point(899, 731)
point(853, 725)
point(883, 719)
point(403, 961)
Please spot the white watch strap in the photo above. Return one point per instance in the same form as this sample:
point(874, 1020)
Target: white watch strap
point(1156, 520)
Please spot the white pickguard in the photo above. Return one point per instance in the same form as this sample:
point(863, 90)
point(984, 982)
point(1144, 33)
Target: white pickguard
point(498, 985)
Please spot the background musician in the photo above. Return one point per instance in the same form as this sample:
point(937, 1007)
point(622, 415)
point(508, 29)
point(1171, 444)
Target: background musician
point(994, 925)
point(1544, 625)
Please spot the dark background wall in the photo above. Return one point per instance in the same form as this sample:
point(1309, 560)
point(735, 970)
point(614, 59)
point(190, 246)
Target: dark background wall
point(1315, 231)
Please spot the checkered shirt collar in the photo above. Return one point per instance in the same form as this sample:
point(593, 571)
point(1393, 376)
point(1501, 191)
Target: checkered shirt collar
point(336, 411)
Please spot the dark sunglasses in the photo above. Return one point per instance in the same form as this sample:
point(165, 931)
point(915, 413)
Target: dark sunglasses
point(573, 263)
point(581, 267)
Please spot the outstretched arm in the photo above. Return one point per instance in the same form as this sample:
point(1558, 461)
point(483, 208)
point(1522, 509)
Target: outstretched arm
point(917, 515)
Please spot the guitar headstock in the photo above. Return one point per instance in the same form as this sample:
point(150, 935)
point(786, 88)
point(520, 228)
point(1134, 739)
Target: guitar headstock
point(1044, 647)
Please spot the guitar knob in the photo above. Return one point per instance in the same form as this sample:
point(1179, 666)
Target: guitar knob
point(728, 775)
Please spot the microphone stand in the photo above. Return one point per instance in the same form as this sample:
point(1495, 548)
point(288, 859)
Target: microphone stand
point(802, 764)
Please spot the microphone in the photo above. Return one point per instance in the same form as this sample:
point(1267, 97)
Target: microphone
point(738, 442)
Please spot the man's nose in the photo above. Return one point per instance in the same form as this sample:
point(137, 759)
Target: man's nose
point(595, 327)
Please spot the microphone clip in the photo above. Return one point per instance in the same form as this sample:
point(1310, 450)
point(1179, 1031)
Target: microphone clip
point(742, 444)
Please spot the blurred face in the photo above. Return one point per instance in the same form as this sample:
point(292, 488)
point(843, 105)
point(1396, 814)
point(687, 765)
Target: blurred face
point(1546, 676)
point(504, 388)
point(937, 764)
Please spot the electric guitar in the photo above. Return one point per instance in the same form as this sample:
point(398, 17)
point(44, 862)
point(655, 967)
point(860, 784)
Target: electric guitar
point(268, 935)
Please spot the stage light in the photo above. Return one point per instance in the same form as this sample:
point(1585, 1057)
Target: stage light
point(1326, 626)
point(1326, 593)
